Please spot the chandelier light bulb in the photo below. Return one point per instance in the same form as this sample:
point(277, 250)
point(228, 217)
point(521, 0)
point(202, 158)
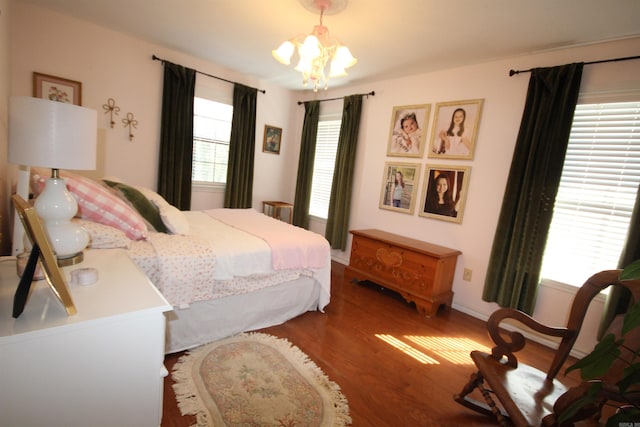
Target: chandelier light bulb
point(284, 53)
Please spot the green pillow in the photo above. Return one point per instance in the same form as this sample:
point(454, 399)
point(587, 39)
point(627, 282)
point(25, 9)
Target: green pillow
point(147, 209)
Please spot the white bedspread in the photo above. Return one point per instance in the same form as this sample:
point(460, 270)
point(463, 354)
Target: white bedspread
point(216, 260)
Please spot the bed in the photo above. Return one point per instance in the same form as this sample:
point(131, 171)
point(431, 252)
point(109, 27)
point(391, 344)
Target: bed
point(224, 271)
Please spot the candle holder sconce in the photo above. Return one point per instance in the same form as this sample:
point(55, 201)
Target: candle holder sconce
point(131, 123)
point(111, 108)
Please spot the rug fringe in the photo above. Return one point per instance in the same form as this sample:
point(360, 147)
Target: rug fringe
point(190, 403)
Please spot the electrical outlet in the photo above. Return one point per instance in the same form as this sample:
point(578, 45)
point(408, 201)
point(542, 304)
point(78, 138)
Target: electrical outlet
point(466, 275)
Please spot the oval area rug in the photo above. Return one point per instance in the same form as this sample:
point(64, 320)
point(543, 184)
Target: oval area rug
point(255, 379)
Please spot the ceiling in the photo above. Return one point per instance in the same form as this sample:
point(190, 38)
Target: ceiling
point(390, 38)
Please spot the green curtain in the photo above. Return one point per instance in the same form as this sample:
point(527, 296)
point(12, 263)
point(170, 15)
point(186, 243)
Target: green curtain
point(340, 200)
point(516, 256)
point(302, 198)
point(176, 135)
point(239, 189)
point(619, 298)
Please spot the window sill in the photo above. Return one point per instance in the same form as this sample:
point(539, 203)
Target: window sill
point(566, 288)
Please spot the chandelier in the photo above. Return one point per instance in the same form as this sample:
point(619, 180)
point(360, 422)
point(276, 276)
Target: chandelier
point(315, 50)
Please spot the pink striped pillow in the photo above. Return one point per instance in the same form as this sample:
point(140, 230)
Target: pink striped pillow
point(96, 203)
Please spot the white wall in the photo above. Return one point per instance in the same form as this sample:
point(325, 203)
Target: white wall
point(112, 64)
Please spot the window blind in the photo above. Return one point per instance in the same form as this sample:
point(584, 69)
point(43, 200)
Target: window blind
point(211, 135)
point(323, 167)
point(597, 192)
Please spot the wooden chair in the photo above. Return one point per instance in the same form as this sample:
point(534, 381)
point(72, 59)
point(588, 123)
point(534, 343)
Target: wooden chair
point(521, 395)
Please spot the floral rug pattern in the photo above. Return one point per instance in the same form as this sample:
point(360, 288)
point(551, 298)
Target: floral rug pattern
point(255, 379)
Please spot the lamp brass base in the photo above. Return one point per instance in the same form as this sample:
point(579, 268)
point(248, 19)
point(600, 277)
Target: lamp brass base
point(71, 260)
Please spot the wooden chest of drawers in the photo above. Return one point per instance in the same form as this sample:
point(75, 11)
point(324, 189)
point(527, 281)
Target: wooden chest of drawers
point(421, 272)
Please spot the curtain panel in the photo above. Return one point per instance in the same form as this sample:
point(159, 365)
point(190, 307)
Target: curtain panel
point(302, 198)
point(340, 200)
point(239, 188)
point(176, 135)
point(516, 256)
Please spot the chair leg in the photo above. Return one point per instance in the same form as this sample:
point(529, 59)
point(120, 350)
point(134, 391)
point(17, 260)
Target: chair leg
point(489, 409)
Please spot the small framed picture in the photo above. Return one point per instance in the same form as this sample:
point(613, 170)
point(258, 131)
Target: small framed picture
point(272, 139)
point(408, 131)
point(57, 89)
point(455, 128)
point(42, 250)
point(399, 187)
point(444, 192)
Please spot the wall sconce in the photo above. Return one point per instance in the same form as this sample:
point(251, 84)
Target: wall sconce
point(110, 107)
point(131, 123)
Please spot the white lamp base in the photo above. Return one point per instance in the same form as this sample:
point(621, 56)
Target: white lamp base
point(56, 206)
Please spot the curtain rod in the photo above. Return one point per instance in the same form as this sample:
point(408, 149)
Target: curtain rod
point(512, 72)
point(155, 58)
point(372, 93)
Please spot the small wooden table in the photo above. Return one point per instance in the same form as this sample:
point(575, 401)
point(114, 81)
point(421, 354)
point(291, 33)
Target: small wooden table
point(421, 272)
point(274, 209)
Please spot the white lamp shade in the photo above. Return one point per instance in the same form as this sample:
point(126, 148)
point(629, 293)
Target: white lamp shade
point(51, 134)
point(284, 52)
point(344, 58)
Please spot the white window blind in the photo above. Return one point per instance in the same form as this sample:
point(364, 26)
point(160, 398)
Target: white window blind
point(211, 135)
point(597, 192)
point(325, 159)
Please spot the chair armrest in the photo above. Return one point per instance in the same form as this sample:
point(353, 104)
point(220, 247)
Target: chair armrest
point(509, 342)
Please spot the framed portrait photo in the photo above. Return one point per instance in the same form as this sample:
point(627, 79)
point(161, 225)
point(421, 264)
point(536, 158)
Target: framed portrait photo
point(272, 139)
point(408, 131)
point(42, 250)
point(455, 129)
point(57, 89)
point(444, 192)
point(399, 187)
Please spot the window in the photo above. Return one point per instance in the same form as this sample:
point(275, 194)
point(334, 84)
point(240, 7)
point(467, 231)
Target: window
point(325, 160)
point(211, 135)
point(597, 192)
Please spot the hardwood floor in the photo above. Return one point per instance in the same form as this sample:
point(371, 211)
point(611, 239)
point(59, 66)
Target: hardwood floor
point(357, 342)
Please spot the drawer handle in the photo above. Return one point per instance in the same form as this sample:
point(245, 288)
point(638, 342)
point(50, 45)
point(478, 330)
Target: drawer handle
point(389, 258)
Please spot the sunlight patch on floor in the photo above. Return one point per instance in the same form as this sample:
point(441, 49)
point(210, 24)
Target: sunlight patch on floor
point(453, 350)
point(407, 349)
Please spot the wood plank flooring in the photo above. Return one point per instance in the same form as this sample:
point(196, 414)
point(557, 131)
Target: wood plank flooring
point(358, 343)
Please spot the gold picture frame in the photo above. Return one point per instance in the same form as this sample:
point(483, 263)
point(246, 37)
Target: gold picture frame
point(409, 144)
point(57, 89)
point(38, 237)
point(272, 139)
point(451, 138)
point(455, 180)
point(404, 177)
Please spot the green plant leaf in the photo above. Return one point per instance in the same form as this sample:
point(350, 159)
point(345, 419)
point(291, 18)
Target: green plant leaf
point(597, 363)
point(631, 271)
point(576, 406)
point(631, 318)
point(631, 377)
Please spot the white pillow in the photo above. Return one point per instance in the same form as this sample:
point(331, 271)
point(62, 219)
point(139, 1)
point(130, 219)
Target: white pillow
point(171, 216)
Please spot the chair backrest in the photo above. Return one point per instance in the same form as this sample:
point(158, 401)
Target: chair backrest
point(592, 287)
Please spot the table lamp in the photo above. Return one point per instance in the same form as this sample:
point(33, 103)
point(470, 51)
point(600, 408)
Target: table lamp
point(55, 135)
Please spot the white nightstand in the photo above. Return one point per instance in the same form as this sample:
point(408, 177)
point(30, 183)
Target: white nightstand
point(100, 367)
